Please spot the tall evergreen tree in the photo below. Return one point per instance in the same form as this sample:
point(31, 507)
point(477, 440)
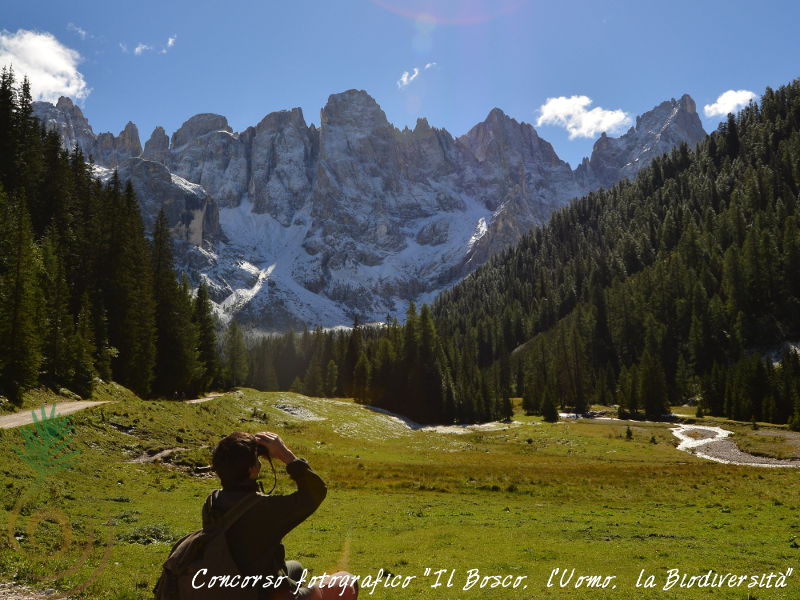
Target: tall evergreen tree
point(177, 362)
point(236, 366)
point(203, 320)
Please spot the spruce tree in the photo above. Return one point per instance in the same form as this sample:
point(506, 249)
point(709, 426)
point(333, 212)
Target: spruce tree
point(129, 300)
point(361, 378)
point(331, 379)
point(177, 362)
point(235, 356)
point(203, 320)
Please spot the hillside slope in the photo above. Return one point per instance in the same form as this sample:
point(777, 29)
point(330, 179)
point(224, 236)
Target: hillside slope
point(658, 289)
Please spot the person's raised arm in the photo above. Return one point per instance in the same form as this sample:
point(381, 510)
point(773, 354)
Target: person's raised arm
point(311, 490)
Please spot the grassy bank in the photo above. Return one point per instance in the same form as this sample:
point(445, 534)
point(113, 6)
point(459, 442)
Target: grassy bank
point(522, 500)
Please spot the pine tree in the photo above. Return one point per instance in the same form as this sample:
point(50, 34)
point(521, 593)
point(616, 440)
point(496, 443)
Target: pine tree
point(361, 379)
point(129, 301)
point(331, 378)
point(57, 327)
point(82, 351)
point(235, 356)
point(177, 362)
point(313, 384)
point(548, 406)
point(203, 320)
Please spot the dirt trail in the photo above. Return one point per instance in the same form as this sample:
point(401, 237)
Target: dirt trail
point(62, 408)
point(712, 443)
point(203, 399)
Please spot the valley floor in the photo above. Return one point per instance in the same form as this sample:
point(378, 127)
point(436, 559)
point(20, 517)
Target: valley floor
point(519, 499)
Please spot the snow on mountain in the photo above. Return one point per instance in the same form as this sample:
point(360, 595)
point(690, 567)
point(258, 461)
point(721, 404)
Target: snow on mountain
point(290, 225)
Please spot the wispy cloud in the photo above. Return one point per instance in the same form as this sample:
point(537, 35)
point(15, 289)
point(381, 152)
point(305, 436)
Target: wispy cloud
point(51, 67)
point(729, 102)
point(170, 43)
point(408, 76)
point(141, 47)
point(80, 32)
point(123, 47)
point(574, 115)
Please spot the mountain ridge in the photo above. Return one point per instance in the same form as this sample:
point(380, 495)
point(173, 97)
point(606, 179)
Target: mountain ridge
point(291, 224)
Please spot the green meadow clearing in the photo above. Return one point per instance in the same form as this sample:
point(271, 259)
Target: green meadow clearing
point(518, 501)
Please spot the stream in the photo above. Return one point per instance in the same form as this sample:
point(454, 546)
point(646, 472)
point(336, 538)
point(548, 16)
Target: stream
point(714, 443)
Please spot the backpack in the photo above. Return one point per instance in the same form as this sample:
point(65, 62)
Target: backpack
point(205, 549)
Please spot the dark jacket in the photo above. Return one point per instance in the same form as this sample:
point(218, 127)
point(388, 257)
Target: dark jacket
point(255, 539)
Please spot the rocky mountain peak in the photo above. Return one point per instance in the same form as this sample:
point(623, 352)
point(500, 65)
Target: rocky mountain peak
point(157, 147)
point(688, 104)
point(68, 120)
point(352, 108)
point(496, 115)
point(500, 135)
point(197, 126)
point(65, 103)
point(422, 126)
point(129, 139)
point(283, 118)
point(656, 132)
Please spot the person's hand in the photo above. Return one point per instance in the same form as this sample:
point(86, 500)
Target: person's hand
point(275, 446)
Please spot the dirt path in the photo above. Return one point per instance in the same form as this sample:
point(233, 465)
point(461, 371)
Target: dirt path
point(62, 408)
point(712, 443)
point(203, 399)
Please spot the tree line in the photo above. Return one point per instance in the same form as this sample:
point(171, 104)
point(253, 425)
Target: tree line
point(84, 293)
point(406, 368)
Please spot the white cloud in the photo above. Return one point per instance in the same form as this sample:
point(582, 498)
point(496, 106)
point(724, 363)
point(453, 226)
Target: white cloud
point(51, 67)
point(406, 78)
point(170, 44)
point(81, 33)
point(729, 102)
point(574, 115)
point(123, 47)
point(141, 49)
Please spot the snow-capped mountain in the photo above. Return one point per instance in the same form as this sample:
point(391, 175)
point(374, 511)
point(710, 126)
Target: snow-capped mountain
point(291, 224)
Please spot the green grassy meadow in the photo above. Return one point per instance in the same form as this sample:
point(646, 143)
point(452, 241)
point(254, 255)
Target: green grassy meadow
point(518, 501)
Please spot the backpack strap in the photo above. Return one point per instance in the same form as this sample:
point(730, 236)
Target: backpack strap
point(236, 512)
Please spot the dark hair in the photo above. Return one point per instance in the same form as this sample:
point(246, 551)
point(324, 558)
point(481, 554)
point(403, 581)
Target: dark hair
point(234, 456)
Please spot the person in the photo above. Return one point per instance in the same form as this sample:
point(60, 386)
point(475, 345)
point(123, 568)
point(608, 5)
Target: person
point(255, 539)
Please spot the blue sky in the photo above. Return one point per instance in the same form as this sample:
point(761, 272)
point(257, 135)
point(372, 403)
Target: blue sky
point(244, 59)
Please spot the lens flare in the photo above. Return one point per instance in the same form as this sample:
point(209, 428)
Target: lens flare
point(450, 12)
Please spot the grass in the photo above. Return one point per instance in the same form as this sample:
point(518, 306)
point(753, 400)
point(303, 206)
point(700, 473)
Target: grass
point(519, 501)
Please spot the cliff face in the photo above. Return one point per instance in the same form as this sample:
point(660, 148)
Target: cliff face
point(292, 225)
